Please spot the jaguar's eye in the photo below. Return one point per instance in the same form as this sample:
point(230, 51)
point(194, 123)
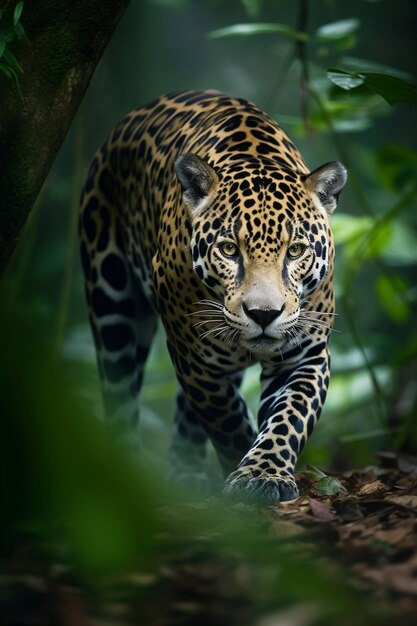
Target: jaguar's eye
point(295, 250)
point(229, 249)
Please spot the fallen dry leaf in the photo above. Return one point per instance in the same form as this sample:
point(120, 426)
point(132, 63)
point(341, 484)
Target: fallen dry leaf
point(409, 500)
point(373, 488)
point(321, 510)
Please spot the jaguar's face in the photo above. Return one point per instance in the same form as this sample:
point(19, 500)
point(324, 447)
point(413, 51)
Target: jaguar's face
point(263, 292)
point(261, 268)
point(261, 243)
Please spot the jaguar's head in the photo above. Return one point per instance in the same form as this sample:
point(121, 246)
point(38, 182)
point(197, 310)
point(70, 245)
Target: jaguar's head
point(260, 242)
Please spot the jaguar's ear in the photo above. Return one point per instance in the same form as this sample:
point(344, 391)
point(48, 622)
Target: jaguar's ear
point(198, 181)
point(326, 183)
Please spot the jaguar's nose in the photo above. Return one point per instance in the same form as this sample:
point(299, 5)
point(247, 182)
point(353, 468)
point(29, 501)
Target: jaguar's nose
point(263, 317)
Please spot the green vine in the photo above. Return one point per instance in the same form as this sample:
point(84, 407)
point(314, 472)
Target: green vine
point(11, 31)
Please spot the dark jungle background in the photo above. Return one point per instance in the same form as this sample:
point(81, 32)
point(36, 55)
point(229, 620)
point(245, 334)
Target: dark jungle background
point(64, 483)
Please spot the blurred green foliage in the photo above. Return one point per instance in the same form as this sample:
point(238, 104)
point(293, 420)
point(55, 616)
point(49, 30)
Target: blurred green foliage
point(11, 30)
point(339, 81)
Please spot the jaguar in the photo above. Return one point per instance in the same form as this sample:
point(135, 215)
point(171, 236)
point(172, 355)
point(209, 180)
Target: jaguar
point(200, 210)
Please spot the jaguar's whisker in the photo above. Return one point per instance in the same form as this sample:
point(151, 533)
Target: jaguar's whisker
point(315, 323)
point(320, 327)
point(203, 322)
point(216, 330)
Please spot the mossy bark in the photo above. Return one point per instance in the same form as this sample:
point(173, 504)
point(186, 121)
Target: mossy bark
point(67, 39)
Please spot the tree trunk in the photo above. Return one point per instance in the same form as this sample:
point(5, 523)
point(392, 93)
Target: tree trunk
point(67, 39)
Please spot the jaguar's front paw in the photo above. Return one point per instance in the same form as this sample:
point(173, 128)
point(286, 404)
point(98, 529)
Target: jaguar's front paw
point(253, 486)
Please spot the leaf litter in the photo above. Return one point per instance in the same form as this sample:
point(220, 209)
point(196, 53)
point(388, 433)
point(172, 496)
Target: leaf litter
point(362, 522)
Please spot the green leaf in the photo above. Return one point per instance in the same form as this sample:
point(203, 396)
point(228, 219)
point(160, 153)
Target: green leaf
point(391, 88)
point(353, 125)
point(6, 70)
point(391, 292)
point(12, 61)
point(338, 30)
point(17, 13)
point(354, 64)
point(359, 236)
point(378, 240)
point(345, 80)
point(20, 32)
point(328, 486)
point(248, 30)
point(402, 247)
point(347, 228)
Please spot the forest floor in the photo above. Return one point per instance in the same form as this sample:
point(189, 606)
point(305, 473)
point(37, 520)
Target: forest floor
point(368, 529)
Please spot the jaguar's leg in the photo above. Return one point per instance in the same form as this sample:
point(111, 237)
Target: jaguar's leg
point(123, 332)
point(291, 402)
point(123, 322)
point(221, 412)
point(238, 424)
point(188, 451)
point(126, 342)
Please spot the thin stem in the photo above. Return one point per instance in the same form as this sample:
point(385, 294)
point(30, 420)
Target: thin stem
point(280, 80)
point(379, 396)
point(340, 145)
point(297, 51)
point(300, 52)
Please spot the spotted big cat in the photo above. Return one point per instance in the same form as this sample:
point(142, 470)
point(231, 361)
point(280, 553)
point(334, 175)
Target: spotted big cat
point(200, 210)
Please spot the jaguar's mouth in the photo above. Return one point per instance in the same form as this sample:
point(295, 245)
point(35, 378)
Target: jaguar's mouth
point(264, 343)
point(264, 337)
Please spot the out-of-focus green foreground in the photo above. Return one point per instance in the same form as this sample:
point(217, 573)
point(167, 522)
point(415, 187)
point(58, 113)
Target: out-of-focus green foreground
point(74, 499)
